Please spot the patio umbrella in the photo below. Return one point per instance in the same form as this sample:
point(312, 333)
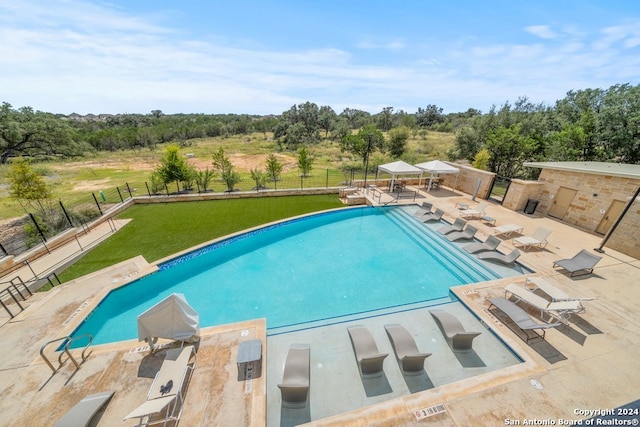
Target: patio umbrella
point(399, 168)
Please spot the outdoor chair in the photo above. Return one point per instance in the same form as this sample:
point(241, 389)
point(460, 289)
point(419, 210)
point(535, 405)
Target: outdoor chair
point(83, 412)
point(535, 283)
point(468, 233)
point(557, 309)
point(537, 239)
point(476, 213)
point(432, 216)
point(165, 395)
point(520, 317)
point(295, 378)
point(410, 359)
point(423, 210)
point(457, 337)
point(490, 244)
point(583, 260)
point(508, 229)
point(457, 225)
point(369, 359)
point(497, 256)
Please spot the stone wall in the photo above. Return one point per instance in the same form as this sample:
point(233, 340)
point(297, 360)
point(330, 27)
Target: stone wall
point(520, 192)
point(595, 193)
point(467, 180)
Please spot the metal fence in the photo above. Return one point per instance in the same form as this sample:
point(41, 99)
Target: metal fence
point(21, 235)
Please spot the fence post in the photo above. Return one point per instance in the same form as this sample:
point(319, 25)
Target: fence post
point(129, 190)
point(148, 190)
point(120, 194)
point(4, 251)
point(42, 236)
point(65, 213)
point(301, 182)
point(166, 188)
point(97, 204)
point(327, 183)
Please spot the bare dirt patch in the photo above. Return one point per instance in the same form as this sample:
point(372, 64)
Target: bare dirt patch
point(91, 185)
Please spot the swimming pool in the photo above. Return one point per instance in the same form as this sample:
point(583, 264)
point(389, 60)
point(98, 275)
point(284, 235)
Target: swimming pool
point(306, 270)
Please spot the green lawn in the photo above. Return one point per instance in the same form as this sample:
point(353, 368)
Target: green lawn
point(159, 230)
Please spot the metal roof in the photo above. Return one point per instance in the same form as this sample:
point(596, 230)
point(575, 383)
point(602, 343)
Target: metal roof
point(598, 168)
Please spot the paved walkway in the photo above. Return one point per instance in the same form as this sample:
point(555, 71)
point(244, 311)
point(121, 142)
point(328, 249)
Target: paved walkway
point(594, 367)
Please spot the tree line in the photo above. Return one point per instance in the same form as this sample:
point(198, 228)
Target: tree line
point(586, 125)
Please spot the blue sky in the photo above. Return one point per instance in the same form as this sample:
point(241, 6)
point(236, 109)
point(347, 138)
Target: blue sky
point(262, 57)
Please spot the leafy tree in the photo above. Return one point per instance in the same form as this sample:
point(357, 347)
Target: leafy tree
point(305, 164)
point(397, 143)
point(384, 119)
point(365, 142)
point(509, 148)
point(203, 178)
point(356, 118)
point(28, 188)
point(223, 166)
point(25, 132)
point(326, 119)
point(173, 167)
point(299, 125)
point(259, 177)
point(430, 116)
point(481, 160)
point(274, 168)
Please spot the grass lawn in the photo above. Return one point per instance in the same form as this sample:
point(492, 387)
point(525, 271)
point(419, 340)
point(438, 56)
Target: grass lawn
point(159, 230)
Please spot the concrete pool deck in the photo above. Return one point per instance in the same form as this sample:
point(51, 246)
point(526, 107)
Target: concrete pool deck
point(588, 365)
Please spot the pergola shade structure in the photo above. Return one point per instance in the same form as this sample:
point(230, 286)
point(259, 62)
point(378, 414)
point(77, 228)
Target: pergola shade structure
point(435, 168)
point(397, 169)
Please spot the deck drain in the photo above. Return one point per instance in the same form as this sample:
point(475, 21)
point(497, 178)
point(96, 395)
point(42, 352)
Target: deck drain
point(430, 411)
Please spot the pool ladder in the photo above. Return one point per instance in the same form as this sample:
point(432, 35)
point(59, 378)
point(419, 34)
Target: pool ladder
point(69, 340)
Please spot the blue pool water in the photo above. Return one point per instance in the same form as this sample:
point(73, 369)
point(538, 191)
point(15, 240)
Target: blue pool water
point(305, 270)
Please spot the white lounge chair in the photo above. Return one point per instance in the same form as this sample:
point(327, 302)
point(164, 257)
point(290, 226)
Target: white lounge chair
point(508, 229)
point(556, 309)
point(533, 283)
point(83, 412)
point(295, 378)
point(166, 393)
point(520, 317)
point(369, 359)
point(583, 260)
point(537, 239)
point(476, 213)
point(457, 225)
point(468, 233)
point(457, 337)
point(497, 256)
point(410, 359)
point(491, 244)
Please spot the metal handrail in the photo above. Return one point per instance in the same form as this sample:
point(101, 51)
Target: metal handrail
point(66, 351)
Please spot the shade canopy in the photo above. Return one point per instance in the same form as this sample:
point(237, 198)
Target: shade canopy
point(400, 168)
point(437, 167)
point(171, 318)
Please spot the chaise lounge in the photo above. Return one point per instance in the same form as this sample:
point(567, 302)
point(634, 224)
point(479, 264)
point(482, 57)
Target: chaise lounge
point(491, 244)
point(521, 318)
point(295, 378)
point(423, 210)
point(497, 256)
point(556, 309)
point(457, 337)
point(166, 393)
point(410, 359)
point(432, 216)
point(537, 239)
point(534, 283)
point(369, 359)
point(457, 225)
point(583, 260)
point(476, 213)
point(468, 233)
point(83, 412)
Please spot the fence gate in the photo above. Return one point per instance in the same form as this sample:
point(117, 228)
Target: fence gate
point(499, 188)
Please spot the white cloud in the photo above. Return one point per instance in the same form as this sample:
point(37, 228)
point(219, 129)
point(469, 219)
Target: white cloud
point(542, 31)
